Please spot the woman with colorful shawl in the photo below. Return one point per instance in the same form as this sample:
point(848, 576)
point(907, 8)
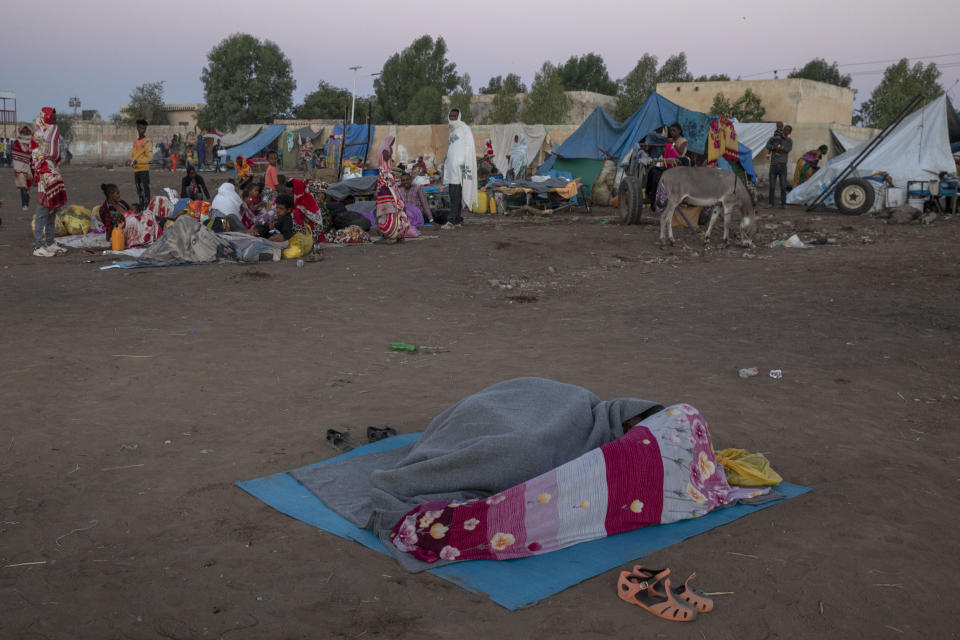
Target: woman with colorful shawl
point(306, 154)
point(307, 216)
point(243, 172)
point(808, 164)
point(392, 221)
point(51, 192)
point(22, 172)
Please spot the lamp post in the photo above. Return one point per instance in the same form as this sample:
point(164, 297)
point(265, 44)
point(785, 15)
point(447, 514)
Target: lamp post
point(353, 102)
point(75, 104)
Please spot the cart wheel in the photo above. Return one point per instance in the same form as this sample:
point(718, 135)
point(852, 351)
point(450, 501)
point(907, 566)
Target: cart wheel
point(854, 196)
point(631, 202)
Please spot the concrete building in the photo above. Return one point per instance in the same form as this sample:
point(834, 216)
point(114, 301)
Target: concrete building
point(182, 116)
point(791, 100)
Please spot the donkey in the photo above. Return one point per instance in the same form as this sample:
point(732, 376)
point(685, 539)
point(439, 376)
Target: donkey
point(702, 187)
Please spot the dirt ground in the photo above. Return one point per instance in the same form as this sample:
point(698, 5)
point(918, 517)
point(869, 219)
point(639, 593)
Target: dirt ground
point(132, 401)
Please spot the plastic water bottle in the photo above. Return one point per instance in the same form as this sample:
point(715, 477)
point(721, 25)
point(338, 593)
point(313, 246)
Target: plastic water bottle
point(749, 373)
point(300, 262)
point(402, 346)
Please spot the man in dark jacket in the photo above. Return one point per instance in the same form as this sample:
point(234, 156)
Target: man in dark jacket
point(779, 146)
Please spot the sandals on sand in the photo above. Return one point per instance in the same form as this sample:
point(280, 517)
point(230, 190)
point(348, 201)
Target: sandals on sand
point(637, 590)
point(375, 434)
point(686, 593)
point(339, 440)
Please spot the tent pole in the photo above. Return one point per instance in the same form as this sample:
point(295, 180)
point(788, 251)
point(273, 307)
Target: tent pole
point(343, 144)
point(866, 151)
point(369, 118)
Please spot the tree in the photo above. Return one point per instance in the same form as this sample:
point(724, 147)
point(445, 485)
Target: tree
point(638, 85)
point(512, 82)
point(505, 107)
point(423, 64)
point(146, 103)
point(716, 77)
point(65, 122)
point(426, 107)
point(547, 103)
point(899, 85)
point(746, 108)
point(675, 69)
point(245, 81)
point(587, 73)
point(327, 102)
point(462, 99)
point(818, 69)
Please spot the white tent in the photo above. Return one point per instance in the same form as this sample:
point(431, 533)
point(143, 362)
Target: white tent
point(755, 134)
point(845, 142)
point(917, 149)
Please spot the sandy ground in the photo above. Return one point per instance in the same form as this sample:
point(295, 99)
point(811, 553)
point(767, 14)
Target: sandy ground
point(131, 401)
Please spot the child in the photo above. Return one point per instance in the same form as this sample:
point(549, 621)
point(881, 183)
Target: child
point(140, 157)
point(283, 226)
point(271, 178)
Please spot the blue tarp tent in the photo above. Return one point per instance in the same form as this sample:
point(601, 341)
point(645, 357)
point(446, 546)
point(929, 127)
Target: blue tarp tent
point(257, 143)
point(356, 142)
point(600, 133)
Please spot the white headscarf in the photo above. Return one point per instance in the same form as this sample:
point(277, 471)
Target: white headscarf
point(460, 167)
point(227, 202)
point(518, 155)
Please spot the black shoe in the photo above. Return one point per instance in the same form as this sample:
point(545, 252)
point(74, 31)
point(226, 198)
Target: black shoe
point(375, 434)
point(339, 440)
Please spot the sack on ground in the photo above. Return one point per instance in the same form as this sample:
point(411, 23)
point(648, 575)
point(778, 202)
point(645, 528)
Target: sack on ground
point(745, 469)
point(75, 220)
point(300, 245)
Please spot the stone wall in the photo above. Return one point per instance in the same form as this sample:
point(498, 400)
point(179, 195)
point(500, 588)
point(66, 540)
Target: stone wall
point(790, 100)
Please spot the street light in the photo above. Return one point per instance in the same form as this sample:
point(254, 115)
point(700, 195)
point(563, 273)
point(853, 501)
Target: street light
point(74, 104)
point(353, 102)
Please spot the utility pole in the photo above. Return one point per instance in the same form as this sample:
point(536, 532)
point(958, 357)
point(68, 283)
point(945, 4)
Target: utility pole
point(353, 102)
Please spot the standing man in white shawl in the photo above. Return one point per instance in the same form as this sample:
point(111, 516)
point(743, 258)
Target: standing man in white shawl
point(460, 168)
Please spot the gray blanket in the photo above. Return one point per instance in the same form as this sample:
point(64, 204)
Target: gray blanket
point(495, 439)
point(189, 242)
point(353, 187)
point(543, 186)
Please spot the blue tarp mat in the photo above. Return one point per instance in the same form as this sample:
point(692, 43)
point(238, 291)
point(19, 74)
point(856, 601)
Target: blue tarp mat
point(257, 143)
point(510, 583)
point(356, 143)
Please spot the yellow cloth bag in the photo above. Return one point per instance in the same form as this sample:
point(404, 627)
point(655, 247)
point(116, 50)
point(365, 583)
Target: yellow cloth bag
point(745, 469)
point(300, 245)
point(75, 220)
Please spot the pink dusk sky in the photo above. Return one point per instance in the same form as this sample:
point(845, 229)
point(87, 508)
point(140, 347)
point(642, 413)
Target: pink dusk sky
point(101, 49)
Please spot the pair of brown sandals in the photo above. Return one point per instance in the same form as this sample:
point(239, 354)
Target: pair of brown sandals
point(650, 589)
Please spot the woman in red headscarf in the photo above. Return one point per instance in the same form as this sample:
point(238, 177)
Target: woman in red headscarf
point(392, 221)
point(307, 216)
point(51, 192)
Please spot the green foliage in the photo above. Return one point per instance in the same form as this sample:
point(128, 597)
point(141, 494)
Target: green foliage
point(245, 81)
point(547, 103)
point(587, 73)
point(146, 102)
point(512, 83)
point(426, 107)
point(505, 108)
point(65, 122)
point(746, 108)
point(818, 69)
point(900, 84)
point(675, 69)
point(327, 102)
point(716, 77)
point(637, 86)
point(404, 77)
point(462, 98)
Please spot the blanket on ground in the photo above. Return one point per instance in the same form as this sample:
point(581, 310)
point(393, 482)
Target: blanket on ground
point(189, 242)
point(663, 470)
point(486, 443)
